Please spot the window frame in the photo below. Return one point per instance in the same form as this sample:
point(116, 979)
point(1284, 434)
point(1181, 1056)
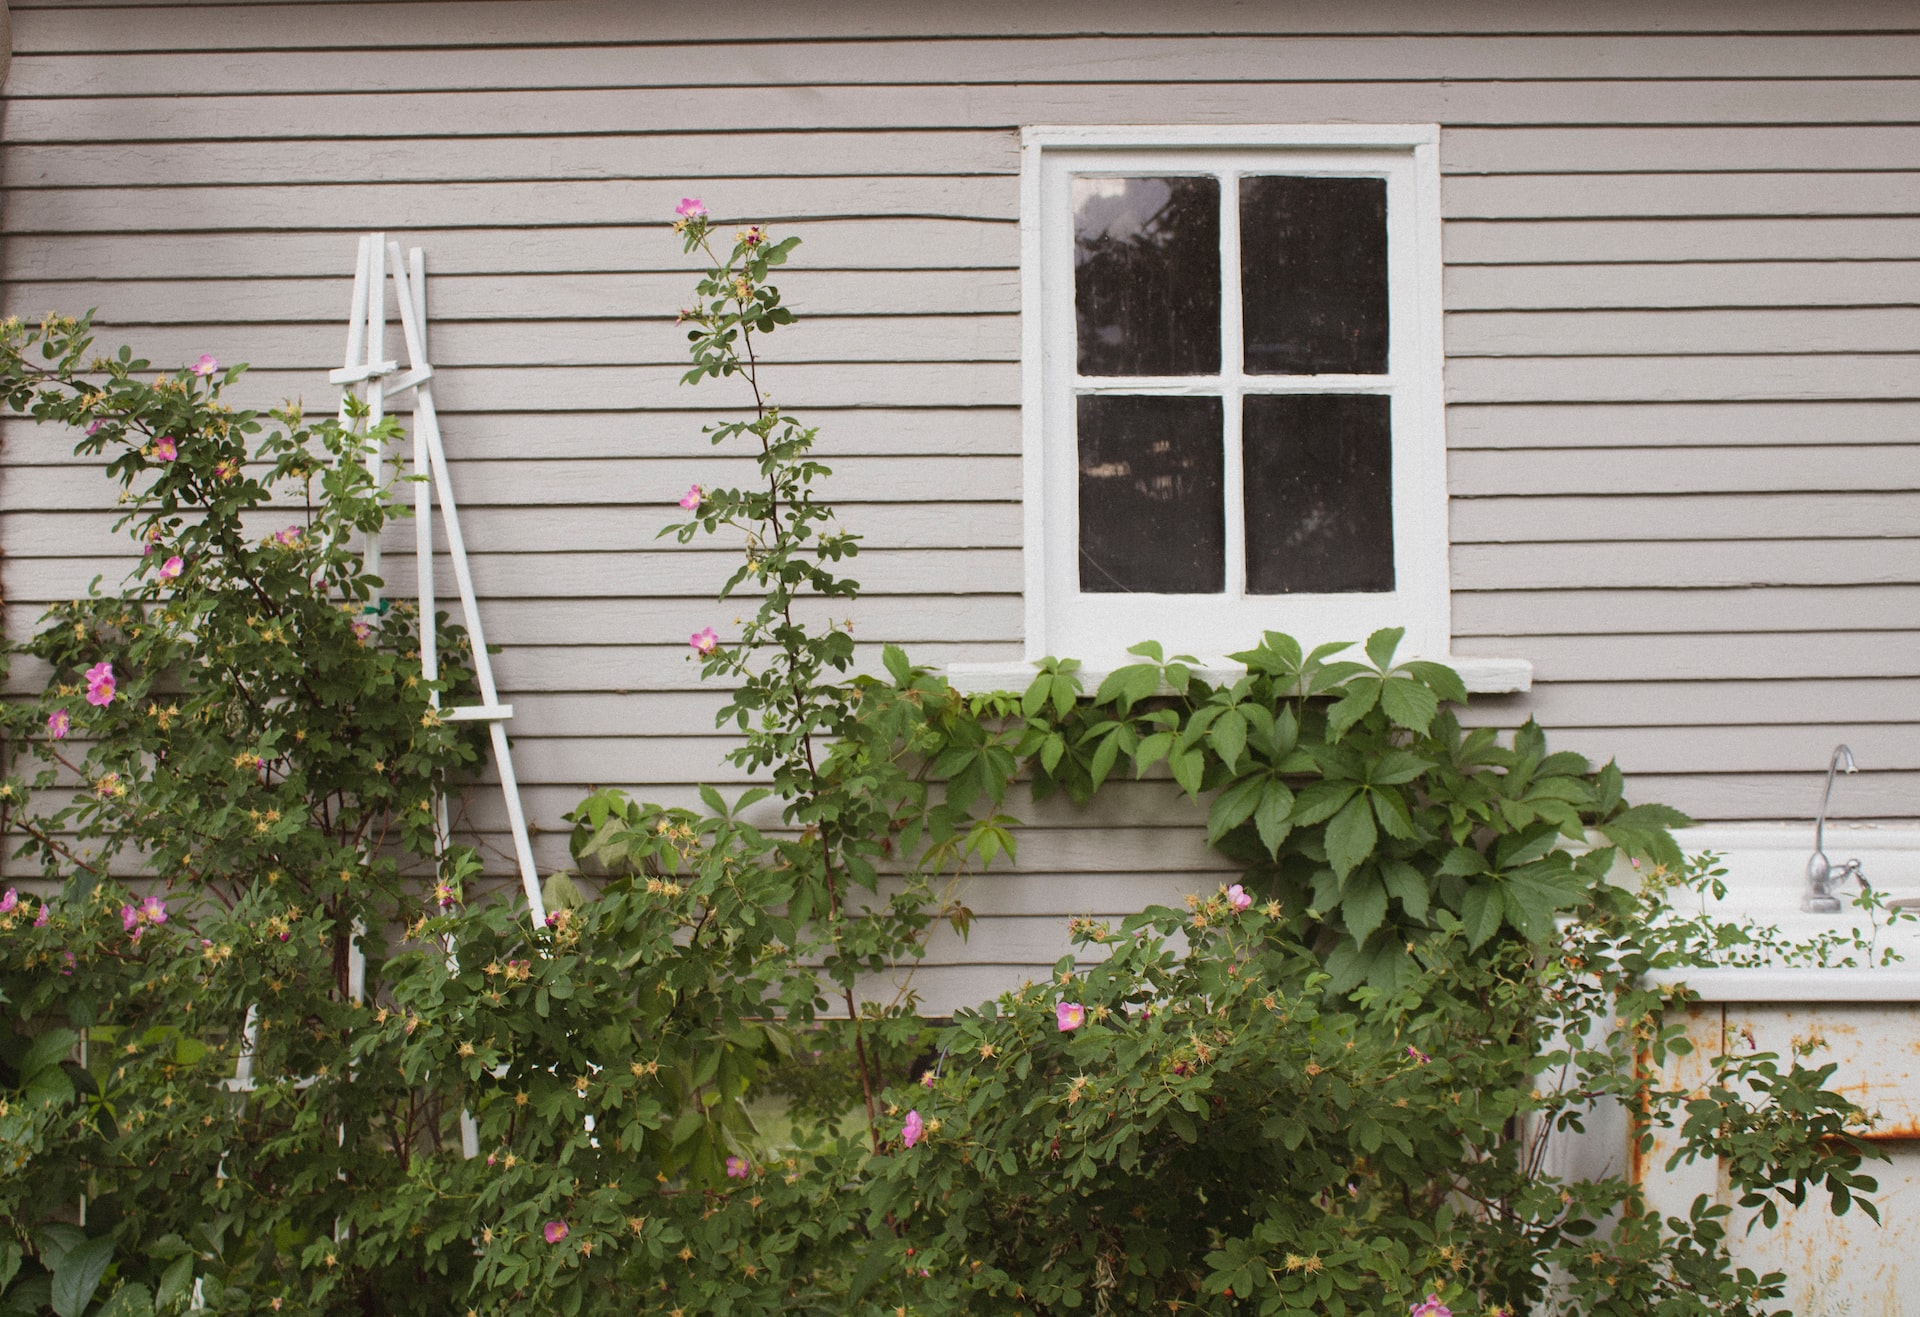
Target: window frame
point(1096, 627)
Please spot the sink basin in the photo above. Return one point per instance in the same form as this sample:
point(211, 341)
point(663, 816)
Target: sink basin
point(1855, 955)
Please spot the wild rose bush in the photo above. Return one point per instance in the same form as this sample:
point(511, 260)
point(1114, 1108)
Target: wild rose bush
point(1316, 1091)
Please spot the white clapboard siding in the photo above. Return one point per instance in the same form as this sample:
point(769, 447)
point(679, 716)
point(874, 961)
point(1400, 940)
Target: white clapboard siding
point(1682, 286)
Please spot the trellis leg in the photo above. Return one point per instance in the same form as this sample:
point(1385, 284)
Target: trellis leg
point(426, 422)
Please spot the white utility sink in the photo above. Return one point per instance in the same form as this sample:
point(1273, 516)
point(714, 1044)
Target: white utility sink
point(1766, 877)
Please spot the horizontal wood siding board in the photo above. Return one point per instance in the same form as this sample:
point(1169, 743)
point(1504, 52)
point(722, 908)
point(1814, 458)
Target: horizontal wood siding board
point(584, 301)
point(1835, 468)
point(1727, 611)
point(248, 25)
point(517, 261)
point(1787, 422)
point(1707, 656)
point(894, 107)
point(1663, 517)
point(1718, 564)
point(843, 433)
point(624, 482)
point(1574, 285)
point(1155, 59)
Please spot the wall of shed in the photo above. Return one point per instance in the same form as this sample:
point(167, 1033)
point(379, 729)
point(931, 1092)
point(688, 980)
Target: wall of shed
point(1682, 286)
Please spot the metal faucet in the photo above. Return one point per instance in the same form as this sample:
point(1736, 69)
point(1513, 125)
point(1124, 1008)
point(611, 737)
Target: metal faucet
point(1822, 876)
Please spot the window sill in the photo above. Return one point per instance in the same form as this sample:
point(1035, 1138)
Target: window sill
point(1482, 676)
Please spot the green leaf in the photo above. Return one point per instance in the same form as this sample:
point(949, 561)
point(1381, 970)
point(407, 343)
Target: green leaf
point(897, 665)
point(1188, 768)
point(78, 1275)
point(1357, 703)
point(1363, 904)
point(1382, 643)
point(1151, 751)
point(1270, 815)
point(1229, 737)
point(1480, 913)
point(47, 1052)
point(1405, 884)
point(1439, 678)
point(1463, 862)
point(1103, 756)
point(1351, 836)
point(1037, 696)
point(177, 1283)
point(1129, 685)
point(1391, 809)
point(1235, 806)
point(1321, 801)
point(131, 1300)
point(1408, 704)
point(55, 1240)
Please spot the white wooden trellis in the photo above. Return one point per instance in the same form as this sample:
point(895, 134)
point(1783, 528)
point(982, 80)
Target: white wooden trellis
point(367, 365)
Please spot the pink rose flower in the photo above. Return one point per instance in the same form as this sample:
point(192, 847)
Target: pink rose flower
point(704, 642)
point(1069, 1015)
point(154, 910)
point(129, 918)
point(911, 1131)
point(1431, 1308)
point(8, 900)
point(1237, 897)
point(691, 208)
point(57, 724)
point(205, 366)
point(555, 1231)
point(171, 568)
point(46, 913)
point(691, 499)
point(93, 428)
point(165, 449)
point(361, 629)
point(737, 1168)
point(100, 684)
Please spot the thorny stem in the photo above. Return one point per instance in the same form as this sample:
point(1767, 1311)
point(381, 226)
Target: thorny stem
point(797, 689)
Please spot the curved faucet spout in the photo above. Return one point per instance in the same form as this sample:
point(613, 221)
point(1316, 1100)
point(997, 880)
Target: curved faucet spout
point(1822, 876)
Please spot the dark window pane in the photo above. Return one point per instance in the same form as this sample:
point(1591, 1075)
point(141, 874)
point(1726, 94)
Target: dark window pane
point(1313, 275)
point(1152, 511)
point(1146, 275)
point(1319, 482)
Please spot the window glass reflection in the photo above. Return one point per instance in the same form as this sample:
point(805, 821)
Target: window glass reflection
point(1313, 275)
point(1146, 275)
point(1152, 503)
point(1319, 493)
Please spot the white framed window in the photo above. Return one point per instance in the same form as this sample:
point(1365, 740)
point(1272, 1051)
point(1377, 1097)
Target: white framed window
point(1232, 408)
